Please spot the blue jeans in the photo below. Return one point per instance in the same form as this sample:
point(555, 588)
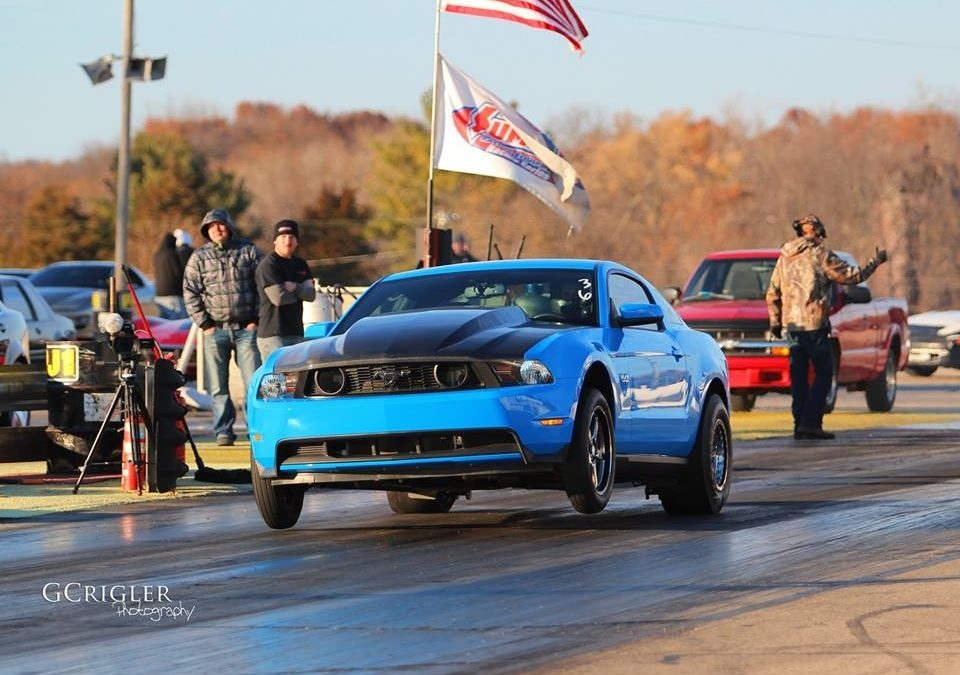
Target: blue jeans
point(812, 346)
point(217, 348)
point(268, 345)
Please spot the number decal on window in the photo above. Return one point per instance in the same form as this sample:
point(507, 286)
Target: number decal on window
point(585, 292)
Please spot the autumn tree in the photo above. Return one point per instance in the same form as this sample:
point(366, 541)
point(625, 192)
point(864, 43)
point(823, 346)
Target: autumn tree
point(171, 186)
point(56, 227)
point(333, 239)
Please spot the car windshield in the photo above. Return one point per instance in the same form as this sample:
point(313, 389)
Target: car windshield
point(744, 279)
point(83, 276)
point(550, 295)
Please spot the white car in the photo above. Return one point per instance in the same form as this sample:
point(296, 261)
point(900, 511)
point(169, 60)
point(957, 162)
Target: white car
point(934, 341)
point(14, 349)
point(43, 324)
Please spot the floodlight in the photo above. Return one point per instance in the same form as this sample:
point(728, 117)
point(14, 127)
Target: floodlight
point(147, 68)
point(100, 70)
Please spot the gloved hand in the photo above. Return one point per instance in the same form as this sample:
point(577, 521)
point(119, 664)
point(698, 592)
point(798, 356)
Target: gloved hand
point(776, 330)
point(881, 256)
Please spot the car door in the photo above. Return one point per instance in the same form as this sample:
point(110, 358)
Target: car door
point(653, 378)
point(14, 297)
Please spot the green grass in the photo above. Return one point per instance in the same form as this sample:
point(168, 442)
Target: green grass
point(770, 424)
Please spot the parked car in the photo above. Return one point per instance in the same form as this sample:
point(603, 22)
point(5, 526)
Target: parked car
point(43, 324)
point(14, 349)
point(69, 286)
point(934, 341)
point(725, 297)
point(560, 374)
point(171, 336)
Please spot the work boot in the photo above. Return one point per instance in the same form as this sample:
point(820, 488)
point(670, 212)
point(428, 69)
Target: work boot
point(804, 434)
point(224, 440)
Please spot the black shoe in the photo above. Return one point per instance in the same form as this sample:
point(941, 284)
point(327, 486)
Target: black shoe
point(802, 434)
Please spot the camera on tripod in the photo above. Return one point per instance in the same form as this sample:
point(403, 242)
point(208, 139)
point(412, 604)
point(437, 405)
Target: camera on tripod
point(123, 339)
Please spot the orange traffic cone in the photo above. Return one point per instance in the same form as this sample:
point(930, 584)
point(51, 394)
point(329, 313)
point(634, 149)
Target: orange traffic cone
point(129, 480)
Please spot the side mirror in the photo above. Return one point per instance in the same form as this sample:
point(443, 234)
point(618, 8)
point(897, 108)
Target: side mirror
point(856, 294)
point(639, 314)
point(317, 330)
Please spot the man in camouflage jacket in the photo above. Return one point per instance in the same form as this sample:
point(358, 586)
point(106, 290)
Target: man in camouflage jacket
point(220, 292)
point(798, 301)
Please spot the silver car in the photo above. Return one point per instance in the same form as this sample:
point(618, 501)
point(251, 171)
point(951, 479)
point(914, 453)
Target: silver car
point(43, 324)
point(69, 287)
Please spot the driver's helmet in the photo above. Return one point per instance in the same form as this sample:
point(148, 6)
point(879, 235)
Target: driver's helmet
point(532, 304)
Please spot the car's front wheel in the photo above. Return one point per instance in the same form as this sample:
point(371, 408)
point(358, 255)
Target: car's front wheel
point(591, 460)
point(922, 371)
point(705, 486)
point(279, 505)
point(882, 392)
point(408, 502)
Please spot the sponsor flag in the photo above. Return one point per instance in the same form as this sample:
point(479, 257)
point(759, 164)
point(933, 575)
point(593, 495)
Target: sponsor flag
point(556, 15)
point(479, 133)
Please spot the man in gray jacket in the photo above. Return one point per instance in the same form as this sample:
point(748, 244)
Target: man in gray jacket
point(220, 292)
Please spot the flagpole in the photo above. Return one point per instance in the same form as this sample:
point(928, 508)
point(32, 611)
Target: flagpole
point(433, 124)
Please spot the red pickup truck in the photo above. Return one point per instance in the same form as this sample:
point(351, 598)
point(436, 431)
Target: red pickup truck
point(725, 297)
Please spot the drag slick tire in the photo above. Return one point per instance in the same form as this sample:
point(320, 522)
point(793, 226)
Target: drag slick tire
point(705, 486)
point(279, 506)
point(408, 502)
point(591, 459)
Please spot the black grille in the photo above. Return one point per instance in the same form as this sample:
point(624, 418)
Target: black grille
point(925, 334)
point(391, 378)
point(400, 445)
point(732, 330)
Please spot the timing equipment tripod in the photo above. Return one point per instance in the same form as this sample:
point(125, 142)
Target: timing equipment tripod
point(133, 405)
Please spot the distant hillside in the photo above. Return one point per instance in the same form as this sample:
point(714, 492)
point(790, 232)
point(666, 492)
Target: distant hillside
point(664, 191)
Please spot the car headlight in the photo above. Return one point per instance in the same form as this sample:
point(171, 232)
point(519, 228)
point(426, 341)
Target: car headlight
point(277, 385)
point(528, 371)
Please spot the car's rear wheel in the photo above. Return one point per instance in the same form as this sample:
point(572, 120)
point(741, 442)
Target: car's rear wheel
point(922, 371)
point(408, 502)
point(591, 460)
point(882, 392)
point(742, 402)
point(279, 505)
point(705, 486)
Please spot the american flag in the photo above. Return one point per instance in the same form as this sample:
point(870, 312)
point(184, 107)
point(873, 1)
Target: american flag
point(556, 15)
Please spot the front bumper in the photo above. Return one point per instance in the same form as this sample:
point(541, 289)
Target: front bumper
point(928, 354)
point(757, 366)
point(499, 430)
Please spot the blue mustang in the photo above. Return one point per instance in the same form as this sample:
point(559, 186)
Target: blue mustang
point(560, 374)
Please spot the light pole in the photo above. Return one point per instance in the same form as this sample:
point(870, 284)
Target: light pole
point(134, 68)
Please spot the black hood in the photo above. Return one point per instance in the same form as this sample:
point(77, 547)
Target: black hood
point(443, 333)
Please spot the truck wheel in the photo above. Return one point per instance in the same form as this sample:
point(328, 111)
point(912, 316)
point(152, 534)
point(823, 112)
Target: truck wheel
point(591, 459)
point(922, 371)
point(742, 402)
point(834, 389)
point(405, 502)
point(882, 392)
point(705, 486)
point(279, 506)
